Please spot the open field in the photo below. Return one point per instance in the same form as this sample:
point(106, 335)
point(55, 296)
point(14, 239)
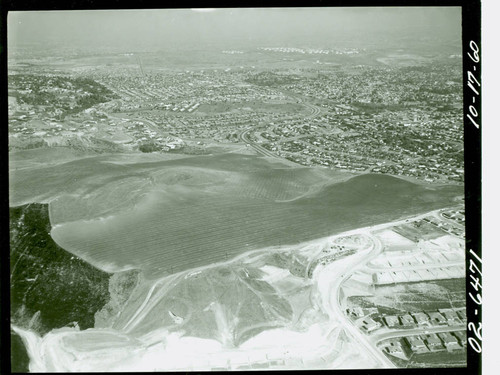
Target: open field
point(422, 296)
point(170, 215)
point(183, 227)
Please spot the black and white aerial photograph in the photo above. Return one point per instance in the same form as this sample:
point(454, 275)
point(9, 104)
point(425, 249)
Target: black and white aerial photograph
point(226, 189)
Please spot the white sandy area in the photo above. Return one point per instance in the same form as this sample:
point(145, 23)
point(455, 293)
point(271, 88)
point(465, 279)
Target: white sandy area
point(282, 337)
point(164, 351)
point(390, 237)
point(448, 242)
point(274, 273)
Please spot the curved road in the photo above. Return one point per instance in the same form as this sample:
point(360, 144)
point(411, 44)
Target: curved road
point(243, 136)
point(315, 111)
point(336, 309)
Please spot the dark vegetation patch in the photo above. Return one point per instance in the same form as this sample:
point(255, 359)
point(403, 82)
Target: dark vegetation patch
point(63, 93)
point(27, 143)
point(91, 144)
point(50, 288)
point(86, 145)
point(19, 359)
point(296, 264)
point(149, 147)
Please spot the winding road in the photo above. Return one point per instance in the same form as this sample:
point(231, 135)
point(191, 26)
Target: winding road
point(334, 307)
point(335, 274)
point(243, 136)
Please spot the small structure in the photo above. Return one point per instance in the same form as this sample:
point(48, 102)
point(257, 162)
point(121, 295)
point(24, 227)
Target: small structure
point(370, 325)
point(416, 344)
point(451, 316)
point(407, 320)
point(421, 318)
point(395, 349)
point(461, 336)
point(391, 321)
point(356, 312)
point(433, 342)
point(462, 314)
point(436, 318)
point(449, 341)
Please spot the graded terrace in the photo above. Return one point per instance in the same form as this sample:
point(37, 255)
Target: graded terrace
point(164, 215)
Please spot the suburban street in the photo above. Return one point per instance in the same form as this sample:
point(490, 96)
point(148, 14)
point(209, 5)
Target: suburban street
point(337, 311)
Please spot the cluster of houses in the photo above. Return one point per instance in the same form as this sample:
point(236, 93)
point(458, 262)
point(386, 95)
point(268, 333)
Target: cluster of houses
point(184, 106)
point(370, 320)
point(451, 229)
point(436, 342)
point(446, 316)
point(446, 324)
point(426, 343)
point(455, 215)
point(313, 51)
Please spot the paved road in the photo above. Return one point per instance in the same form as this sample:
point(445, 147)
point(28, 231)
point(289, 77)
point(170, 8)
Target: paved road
point(338, 312)
point(411, 332)
point(315, 110)
point(334, 307)
point(243, 136)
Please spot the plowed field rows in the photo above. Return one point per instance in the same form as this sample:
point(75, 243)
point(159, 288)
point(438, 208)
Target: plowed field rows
point(171, 215)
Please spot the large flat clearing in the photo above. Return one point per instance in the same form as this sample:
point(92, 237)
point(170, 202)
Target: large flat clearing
point(169, 215)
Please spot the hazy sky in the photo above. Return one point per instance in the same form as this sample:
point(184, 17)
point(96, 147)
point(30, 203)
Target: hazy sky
point(163, 28)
